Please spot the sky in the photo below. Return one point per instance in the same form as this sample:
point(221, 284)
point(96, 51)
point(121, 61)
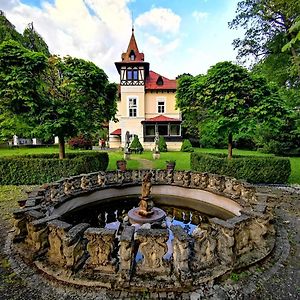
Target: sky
point(176, 36)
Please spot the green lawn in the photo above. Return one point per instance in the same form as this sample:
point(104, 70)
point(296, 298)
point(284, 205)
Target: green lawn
point(182, 158)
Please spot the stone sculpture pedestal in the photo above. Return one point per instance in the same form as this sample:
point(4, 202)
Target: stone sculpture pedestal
point(156, 216)
point(146, 212)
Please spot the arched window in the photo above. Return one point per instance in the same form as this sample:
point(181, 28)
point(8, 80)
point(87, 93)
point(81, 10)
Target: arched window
point(132, 55)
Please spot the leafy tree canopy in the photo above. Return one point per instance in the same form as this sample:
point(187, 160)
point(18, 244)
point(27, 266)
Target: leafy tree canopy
point(229, 100)
point(8, 31)
point(57, 96)
point(267, 24)
point(33, 41)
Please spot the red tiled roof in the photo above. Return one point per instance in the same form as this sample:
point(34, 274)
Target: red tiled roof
point(153, 79)
point(132, 46)
point(116, 132)
point(161, 118)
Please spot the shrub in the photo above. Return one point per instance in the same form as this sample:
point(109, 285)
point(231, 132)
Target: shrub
point(250, 168)
point(38, 169)
point(80, 142)
point(136, 144)
point(186, 146)
point(162, 145)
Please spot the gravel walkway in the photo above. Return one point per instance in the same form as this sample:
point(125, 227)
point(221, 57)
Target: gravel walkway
point(278, 277)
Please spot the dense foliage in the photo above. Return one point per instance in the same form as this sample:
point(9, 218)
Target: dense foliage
point(38, 169)
point(272, 37)
point(48, 96)
point(229, 102)
point(253, 169)
point(267, 24)
point(162, 145)
point(136, 144)
point(186, 146)
point(80, 142)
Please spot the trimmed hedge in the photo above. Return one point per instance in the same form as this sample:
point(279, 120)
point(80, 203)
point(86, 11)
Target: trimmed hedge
point(42, 168)
point(254, 169)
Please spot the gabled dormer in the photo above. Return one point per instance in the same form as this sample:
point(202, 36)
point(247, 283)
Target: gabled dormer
point(132, 69)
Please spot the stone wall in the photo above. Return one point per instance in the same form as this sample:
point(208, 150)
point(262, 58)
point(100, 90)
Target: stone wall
point(80, 254)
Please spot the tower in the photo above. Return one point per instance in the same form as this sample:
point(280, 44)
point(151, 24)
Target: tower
point(133, 71)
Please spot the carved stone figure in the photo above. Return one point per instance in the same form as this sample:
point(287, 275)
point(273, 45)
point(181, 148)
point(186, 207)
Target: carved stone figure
point(57, 233)
point(100, 247)
point(195, 179)
point(178, 177)
point(101, 179)
point(181, 252)
point(85, 183)
point(126, 249)
point(135, 175)
point(259, 228)
point(153, 247)
point(74, 245)
point(204, 181)
point(216, 183)
point(187, 178)
point(225, 245)
point(37, 238)
point(243, 242)
point(146, 185)
point(68, 187)
point(205, 245)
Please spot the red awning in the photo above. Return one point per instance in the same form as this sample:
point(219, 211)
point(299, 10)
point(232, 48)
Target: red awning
point(161, 118)
point(116, 132)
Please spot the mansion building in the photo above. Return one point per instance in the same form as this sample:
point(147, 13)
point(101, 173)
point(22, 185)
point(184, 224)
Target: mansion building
point(146, 103)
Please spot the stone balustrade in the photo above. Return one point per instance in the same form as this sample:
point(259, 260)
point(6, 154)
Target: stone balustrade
point(213, 249)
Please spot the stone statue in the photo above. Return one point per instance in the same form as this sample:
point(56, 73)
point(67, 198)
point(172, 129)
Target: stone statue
point(146, 185)
point(127, 141)
point(146, 204)
point(156, 141)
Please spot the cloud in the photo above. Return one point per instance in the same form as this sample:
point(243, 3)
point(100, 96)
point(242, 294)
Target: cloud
point(199, 15)
point(80, 28)
point(162, 19)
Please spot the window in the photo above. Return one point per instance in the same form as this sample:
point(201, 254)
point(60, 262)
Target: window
point(135, 75)
point(129, 74)
point(132, 55)
point(174, 129)
point(162, 129)
point(132, 107)
point(150, 130)
point(161, 105)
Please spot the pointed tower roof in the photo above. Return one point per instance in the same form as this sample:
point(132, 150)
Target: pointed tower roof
point(132, 54)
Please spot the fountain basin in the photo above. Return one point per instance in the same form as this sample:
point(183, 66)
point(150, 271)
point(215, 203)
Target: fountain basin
point(87, 254)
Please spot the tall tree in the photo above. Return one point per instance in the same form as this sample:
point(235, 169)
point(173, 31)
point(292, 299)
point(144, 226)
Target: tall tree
point(8, 31)
point(78, 99)
point(33, 40)
point(232, 102)
point(267, 24)
point(56, 96)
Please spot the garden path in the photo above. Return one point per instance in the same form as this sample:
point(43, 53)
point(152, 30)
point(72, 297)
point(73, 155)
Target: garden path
point(145, 163)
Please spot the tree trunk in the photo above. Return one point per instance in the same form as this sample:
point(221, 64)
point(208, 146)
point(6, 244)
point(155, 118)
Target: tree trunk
point(62, 152)
point(230, 145)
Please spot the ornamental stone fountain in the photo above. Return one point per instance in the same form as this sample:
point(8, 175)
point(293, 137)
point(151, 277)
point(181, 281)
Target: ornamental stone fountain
point(146, 212)
point(125, 257)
